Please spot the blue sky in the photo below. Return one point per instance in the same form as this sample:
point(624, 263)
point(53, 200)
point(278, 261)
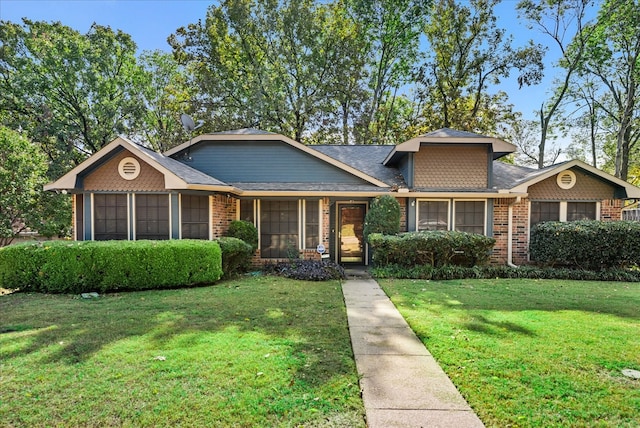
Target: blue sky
point(150, 22)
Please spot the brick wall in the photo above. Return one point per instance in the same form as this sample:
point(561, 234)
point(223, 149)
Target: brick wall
point(611, 210)
point(223, 212)
point(519, 231)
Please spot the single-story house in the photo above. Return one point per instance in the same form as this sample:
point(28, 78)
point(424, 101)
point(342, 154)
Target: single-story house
point(304, 199)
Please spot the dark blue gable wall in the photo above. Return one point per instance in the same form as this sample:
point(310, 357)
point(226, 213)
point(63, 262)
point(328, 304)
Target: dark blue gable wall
point(263, 162)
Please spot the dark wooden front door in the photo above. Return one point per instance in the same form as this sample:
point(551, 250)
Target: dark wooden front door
point(350, 237)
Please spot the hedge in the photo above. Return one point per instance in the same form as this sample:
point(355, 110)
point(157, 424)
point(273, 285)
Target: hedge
point(433, 248)
point(77, 267)
point(586, 244)
point(236, 256)
point(244, 230)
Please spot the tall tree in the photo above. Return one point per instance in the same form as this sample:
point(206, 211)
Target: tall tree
point(467, 52)
point(391, 30)
point(264, 63)
point(166, 94)
point(613, 56)
point(563, 21)
point(80, 89)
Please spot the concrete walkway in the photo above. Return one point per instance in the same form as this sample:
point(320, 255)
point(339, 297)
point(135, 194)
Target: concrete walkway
point(401, 383)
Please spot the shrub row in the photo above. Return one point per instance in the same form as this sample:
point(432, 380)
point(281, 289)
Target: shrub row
point(433, 248)
point(586, 244)
point(76, 267)
point(307, 270)
point(489, 272)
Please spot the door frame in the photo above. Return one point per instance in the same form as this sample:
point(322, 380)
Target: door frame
point(338, 219)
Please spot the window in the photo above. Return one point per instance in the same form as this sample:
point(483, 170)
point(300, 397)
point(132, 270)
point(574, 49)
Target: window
point(469, 216)
point(544, 211)
point(312, 224)
point(433, 215)
point(195, 216)
point(581, 211)
point(278, 228)
point(110, 216)
point(79, 232)
point(247, 212)
point(152, 216)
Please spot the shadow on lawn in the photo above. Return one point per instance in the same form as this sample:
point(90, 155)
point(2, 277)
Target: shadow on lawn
point(76, 329)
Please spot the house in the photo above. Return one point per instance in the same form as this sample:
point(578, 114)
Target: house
point(304, 199)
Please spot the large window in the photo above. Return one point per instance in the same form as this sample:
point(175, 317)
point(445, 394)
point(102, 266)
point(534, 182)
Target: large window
point(312, 224)
point(110, 216)
point(544, 211)
point(469, 216)
point(195, 216)
point(278, 228)
point(581, 211)
point(562, 211)
point(433, 215)
point(152, 216)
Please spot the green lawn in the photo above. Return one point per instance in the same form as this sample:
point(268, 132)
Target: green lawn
point(260, 351)
point(532, 353)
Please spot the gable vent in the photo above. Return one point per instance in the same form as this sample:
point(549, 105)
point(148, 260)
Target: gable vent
point(129, 168)
point(566, 179)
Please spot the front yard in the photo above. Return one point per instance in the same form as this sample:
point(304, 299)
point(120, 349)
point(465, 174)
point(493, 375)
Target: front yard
point(255, 352)
point(266, 351)
point(532, 353)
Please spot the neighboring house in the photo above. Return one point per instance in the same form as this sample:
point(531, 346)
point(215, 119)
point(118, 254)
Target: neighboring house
point(300, 197)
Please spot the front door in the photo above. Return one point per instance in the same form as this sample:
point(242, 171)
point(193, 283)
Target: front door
point(350, 237)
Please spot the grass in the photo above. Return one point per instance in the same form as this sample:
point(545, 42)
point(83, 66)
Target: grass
point(527, 353)
point(259, 351)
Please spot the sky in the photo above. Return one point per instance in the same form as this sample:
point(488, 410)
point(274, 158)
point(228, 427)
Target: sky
point(150, 22)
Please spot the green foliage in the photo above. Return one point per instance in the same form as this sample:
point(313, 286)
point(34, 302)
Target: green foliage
point(75, 267)
point(587, 244)
point(23, 203)
point(383, 216)
point(307, 270)
point(244, 230)
point(236, 256)
point(490, 272)
point(432, 248)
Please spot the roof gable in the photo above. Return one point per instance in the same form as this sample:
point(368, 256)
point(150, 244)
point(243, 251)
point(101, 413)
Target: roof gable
point(263, 140)
point(449, 136)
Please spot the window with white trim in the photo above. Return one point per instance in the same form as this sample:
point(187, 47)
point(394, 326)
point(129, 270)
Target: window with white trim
point(563, 211)
point(278, 228)
point(470, 216)
point(433, 215)
point(311, 224)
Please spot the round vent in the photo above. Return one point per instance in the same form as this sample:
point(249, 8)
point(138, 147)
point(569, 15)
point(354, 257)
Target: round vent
point(129, 168)
point(566, 179)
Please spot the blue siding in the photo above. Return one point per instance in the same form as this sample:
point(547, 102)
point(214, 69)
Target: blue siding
point(406, 169)
point(263, 162)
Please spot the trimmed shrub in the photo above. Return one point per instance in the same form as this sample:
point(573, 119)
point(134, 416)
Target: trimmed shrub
point(383, 216)
point(244, 230)
point(432, 248)
point(307, 270)
point(236, 256)
point(586, 244)
point(490, 272)
point(77, 267)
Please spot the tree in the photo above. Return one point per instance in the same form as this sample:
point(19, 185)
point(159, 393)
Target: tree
point(557, 18)
point(391, 30)
point(264, 63)
point(467, 52)
point(613, 56)
point(166, 95)
point(23, 203)
point(69, 90)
